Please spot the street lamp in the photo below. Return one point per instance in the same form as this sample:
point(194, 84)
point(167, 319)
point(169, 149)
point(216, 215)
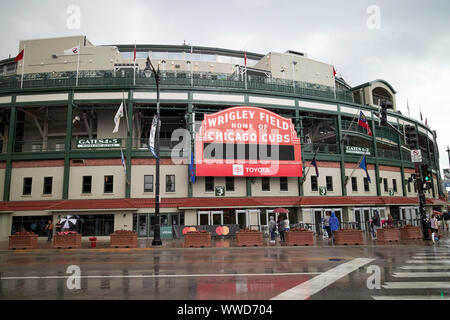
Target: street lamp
point(149, 69)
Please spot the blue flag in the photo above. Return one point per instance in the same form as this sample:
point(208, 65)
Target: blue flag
point(192, 168)
point(363, 165)
point(123, 162)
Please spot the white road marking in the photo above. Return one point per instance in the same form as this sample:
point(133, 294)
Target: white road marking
point(417, 285)
point(166, 275)
point(425, 267)
point(410, 298)
point(429, 261)
point(421, 274)
point(431, 258)
point(311, 287)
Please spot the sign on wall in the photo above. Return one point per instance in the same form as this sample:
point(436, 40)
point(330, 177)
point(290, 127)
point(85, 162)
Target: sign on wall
point(99, 143)
point(323, 191)
point(357, 150)
point(247, 142)
point(220, 191)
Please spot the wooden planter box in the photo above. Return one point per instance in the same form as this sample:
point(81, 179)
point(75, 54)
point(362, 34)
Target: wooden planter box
point(300, 238)
point(410, 233)
point(25, 241)
point(123, 240)
point(249, 239)
point(348, 237)
point(388, 234)
point(197, 240)
point(67, 241)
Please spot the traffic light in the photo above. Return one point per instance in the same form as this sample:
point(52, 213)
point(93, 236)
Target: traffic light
point(411, 137)
point(385, 104)
point(426, 177)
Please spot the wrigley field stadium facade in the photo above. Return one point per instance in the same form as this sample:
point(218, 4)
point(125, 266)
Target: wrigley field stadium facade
point(59, 155)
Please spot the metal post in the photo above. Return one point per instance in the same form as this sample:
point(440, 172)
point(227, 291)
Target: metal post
point(157, 236)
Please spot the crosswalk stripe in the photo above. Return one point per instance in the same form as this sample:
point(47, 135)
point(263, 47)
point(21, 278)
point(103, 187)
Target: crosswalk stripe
point(316, 284)
point(431, 258)
point(417, 285)
point(410, 298)
point(429, 261)
point(425, 267)
point(421, 274)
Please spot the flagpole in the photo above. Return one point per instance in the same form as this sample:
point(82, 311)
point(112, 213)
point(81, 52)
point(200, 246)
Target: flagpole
point(134, 69)
point(351, 123)
point(126, 112)
point(78, 63)
point(23, 65)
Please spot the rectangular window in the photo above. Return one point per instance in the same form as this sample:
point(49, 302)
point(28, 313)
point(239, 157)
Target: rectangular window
point(409, 185)
point(229, 183)
point(354, 184)
point(109, 183)
point(209, 184)
point(329, 183)
point(415, 187)
point(87, 184)
point(27, 186)
point(314, 186)
point(284, 184)
point(386, 187)
point(148, 183)
point(366, 184)
point(394, 184)
point(265, 184)
point(48, 183)
point(170, 183)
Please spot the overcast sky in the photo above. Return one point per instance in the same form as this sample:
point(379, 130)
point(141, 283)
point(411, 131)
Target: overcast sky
point(406, 43)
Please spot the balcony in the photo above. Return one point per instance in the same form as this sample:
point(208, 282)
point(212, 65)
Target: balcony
point(39, 146)
point(320, 148)
point(107, 78)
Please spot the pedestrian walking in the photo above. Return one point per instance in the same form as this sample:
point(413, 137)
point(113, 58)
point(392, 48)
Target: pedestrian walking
point(334, 224)
point(281, 227)
point(447, 220)
point(286, 225)
point(326, 224)
point(376, 223)
point(272, 229)
point(49, 228)
point(434, 228)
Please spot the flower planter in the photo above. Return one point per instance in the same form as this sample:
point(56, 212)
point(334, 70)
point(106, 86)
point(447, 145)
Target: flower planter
point(410, 233)
point(348, 237)
point(23, 241)
point(388, 234)
point(249, 238)
point(197, 239)
point(67, 241)
point(123, 239)
point(300, 238)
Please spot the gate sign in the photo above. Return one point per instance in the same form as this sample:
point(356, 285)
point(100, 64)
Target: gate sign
point(247, 142)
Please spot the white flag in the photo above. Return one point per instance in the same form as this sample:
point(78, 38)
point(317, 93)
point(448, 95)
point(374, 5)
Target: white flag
point(71, 51)
point(151, 138)
point(117, 117)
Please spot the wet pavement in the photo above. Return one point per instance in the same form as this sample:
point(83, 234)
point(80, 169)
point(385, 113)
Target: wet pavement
point(225, 272)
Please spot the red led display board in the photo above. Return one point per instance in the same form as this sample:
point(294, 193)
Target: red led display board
point(247, 142)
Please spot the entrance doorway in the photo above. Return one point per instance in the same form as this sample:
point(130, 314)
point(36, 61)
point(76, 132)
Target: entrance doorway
point(319, 214)
point(144, 223)
point(205, 218)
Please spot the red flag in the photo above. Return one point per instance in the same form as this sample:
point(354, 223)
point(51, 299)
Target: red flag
point(134, 52)
point(245, 58)
point(19, 56)
point(362, 121)
point(334, 72)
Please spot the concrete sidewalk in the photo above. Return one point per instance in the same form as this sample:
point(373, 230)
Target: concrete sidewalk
point(230, 243)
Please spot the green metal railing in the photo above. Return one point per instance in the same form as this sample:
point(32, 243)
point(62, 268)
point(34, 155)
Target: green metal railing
point(320, 148)
point(39, 146)
point(107, 78)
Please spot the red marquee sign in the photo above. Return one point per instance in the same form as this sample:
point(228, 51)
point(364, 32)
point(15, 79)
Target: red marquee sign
point(247, 142)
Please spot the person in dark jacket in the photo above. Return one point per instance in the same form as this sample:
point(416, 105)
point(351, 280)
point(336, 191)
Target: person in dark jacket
point(334, 223)
point(376, 223)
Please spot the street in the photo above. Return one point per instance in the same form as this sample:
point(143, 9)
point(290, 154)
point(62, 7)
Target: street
point(407, 270)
